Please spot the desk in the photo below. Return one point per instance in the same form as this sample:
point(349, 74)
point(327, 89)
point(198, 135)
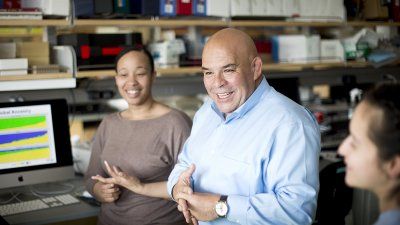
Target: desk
point(80, 213)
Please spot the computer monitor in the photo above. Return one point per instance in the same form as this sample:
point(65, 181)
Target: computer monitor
point(35, 143)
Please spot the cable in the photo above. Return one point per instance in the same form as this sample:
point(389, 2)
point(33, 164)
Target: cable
point(39, 193)
point(389, 77)
point(13, 196)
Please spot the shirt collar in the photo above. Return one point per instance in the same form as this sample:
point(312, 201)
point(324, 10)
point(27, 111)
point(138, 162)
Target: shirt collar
point(254, 98)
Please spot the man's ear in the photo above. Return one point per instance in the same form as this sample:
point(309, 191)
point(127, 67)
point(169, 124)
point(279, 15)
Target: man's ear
point(393, 167)
point(153, 75)
point(257, 68)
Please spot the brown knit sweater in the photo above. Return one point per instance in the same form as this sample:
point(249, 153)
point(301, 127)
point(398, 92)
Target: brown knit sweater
point(147, 149)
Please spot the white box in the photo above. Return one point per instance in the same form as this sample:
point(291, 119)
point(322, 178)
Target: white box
point(274, 8)
point(332, 51)
point(219, 8)
point(14, 64)
point(327, 9)
point(296, 48)
point(291, 8)
point(240, 8)
point(166, 54)
point(49, 7)
point(258, 7)
point(18, 66)
point(13, 72)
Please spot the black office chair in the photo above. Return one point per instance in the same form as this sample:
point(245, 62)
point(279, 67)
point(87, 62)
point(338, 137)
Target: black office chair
point(335, 197)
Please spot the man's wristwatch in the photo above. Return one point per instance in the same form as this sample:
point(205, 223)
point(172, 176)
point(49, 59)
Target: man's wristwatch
point(221, 208)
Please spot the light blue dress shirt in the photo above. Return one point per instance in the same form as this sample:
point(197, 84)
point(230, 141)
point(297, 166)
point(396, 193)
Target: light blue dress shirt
point(391, 217)
point(264, 156)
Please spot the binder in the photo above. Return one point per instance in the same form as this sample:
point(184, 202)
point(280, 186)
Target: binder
point(168, 7)
point(122, 6)
point(150, 7)
point(83, 8)
point(199, 7)
point(184, 7)
point(103, 7)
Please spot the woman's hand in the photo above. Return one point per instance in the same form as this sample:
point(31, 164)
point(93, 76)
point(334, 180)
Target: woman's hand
point(106, 192)
point(120, 178)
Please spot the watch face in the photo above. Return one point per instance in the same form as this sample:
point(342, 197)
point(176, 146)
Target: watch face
point(221, 209)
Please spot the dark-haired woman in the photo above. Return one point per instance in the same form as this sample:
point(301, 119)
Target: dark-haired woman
point(143, 141)
point(372, 150)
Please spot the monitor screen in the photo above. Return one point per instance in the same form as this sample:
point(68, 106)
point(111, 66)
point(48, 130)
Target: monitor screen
point(34, 143)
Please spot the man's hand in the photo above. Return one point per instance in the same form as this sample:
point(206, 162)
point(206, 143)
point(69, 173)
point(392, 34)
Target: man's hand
point(121, 178)
point(105, 192)
point(184, 186)
point(201, 205)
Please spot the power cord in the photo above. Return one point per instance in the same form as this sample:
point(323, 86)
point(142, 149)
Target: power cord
point(66, 188)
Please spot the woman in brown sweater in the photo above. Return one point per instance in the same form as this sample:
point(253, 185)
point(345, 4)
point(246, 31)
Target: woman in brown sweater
point(143, 141)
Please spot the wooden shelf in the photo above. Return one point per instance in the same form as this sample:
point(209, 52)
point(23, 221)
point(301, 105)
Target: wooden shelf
point(35, 22)
point(185, 71)
point(210, 22)
point(224, 23)
point(36, 76)
point(151, 22)
point(312, 65)
point(37, 82)
point(271, 23)
point(95, 73)
point(20, 35)
point(168, 72)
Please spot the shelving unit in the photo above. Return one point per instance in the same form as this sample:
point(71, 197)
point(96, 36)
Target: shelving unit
point(37, 82)
point(35, 22)
point(42, 76)
point(224, 23)
point(152, 22)
point(184, 71)
point(290, 68)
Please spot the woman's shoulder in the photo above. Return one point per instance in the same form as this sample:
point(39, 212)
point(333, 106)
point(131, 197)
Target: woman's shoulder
point(178, 117)
point(109, 120)
point(111, 117)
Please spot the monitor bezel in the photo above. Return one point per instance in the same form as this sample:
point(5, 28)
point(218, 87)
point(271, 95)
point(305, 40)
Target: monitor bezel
point(59, 114)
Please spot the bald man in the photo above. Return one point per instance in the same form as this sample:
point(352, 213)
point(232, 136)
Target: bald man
point(252, 156)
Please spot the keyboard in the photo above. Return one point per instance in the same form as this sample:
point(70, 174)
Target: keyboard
point(32, 205)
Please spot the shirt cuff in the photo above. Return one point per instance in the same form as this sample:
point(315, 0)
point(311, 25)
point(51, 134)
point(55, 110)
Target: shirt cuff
point(170, 185)
point(238, 207)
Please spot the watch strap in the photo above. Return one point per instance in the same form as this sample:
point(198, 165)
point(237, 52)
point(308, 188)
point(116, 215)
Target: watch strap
point(223, 198)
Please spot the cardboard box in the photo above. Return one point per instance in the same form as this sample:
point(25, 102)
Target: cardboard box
point(374, 10)
point(8, 50)
point(37, 53)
